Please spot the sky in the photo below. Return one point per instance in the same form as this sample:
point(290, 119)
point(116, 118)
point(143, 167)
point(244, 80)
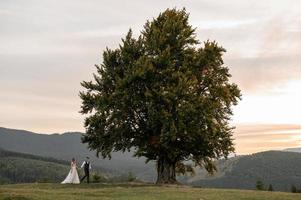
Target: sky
point(47, 47)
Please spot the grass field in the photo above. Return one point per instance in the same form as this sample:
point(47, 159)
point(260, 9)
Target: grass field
point(131, 192)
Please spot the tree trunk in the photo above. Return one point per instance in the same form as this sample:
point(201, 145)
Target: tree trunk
point(166, 170)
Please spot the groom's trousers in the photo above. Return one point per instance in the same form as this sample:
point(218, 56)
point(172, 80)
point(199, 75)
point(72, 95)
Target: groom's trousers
point(86, 176)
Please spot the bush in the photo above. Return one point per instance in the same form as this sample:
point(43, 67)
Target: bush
point(131, 177)
point(97, 178)
point(293, 189)
point(259, 185)
point(270, 188)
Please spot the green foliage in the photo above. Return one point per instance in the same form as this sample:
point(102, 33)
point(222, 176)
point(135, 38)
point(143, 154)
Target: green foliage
point(126, 177)
point(95, 178)
point(131, 177)
point(163, 95)
point(259, 185)
point(25, 168)
point(277, 167)
point(99, 178)
point(270, 188)
point(4, 153)
point(293, 189)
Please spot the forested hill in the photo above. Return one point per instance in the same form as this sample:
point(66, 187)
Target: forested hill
point(24, 168)
point(5, 154)
point(278, 168)
point(68, 145)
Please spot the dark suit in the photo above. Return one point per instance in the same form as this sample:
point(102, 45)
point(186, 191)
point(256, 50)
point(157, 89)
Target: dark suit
point(87, 167)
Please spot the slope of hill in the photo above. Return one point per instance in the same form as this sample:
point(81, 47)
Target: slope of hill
point(25, 168)
point(281, 169)
point(297, 149)
point(68, 145)
point(133, 192)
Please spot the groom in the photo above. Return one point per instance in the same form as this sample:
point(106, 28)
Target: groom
point(87, 166)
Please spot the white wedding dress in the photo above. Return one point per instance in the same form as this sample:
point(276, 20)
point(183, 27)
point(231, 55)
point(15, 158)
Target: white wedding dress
point(72, 177)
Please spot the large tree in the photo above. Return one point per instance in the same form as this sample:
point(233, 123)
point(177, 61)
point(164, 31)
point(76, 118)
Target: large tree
point(164, 96)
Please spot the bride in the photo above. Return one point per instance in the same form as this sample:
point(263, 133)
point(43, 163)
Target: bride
point(73, 175)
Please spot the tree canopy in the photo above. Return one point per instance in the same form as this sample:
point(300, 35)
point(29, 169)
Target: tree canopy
point(163, 95)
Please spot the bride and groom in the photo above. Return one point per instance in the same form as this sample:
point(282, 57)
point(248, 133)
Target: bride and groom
point(72, 177)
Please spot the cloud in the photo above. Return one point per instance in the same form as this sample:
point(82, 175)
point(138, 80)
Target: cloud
point(49, 47)
point(259, 74)
point(269, 54)
point(250, 138)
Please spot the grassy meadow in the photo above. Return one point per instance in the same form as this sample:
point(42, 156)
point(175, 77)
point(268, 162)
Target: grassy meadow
point(132, 192)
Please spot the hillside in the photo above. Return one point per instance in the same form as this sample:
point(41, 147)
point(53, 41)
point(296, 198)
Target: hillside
point(297, 149)
point(133, 192)
point(281, 169)
point(68, 145)
point(25, 168)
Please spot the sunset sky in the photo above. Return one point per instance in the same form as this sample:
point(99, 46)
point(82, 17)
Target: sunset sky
point(48, 47)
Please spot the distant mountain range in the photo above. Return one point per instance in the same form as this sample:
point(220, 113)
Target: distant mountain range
point(68, 145)
point(297, 150)
point(279, 168)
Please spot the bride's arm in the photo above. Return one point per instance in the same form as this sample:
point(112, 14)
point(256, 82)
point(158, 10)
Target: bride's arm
point(72, 166)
